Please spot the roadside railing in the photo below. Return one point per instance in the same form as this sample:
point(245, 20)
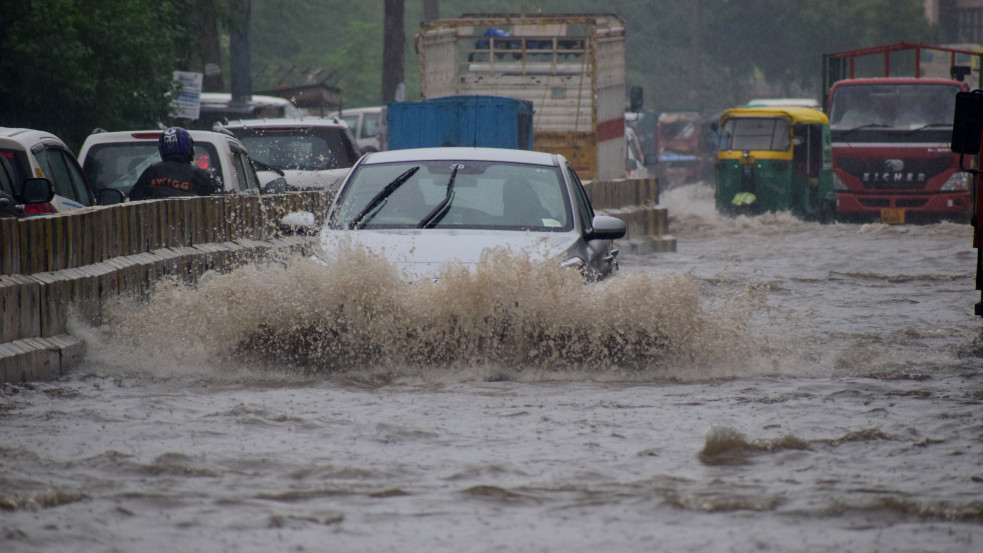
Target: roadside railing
point(55, 265)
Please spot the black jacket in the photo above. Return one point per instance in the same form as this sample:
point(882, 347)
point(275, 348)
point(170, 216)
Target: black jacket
point(166, 179)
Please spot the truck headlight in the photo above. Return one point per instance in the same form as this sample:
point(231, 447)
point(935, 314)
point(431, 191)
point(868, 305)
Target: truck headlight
point(958, 182)
point(838, 184)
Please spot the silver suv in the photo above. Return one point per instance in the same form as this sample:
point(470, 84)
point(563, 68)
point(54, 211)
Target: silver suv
point(312, 153)
point(115, 160)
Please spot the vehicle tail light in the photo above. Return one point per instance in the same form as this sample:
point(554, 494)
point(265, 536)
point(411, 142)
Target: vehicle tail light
point(39, 209)
point(146, 135)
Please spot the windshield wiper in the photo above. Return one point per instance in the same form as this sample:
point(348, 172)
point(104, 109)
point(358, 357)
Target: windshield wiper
point(438, 212)
point(929, 126)
point(263, 166)
point(379, 198)
point(867, 126)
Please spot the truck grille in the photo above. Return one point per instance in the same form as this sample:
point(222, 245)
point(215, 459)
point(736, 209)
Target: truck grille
point(874, 174)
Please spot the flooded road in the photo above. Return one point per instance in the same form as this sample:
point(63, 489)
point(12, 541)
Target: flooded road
point(774, 385)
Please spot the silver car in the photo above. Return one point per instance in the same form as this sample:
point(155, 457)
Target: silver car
point(426, 208)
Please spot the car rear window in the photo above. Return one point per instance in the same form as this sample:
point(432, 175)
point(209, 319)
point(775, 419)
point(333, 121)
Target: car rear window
point(300, 148)
point(119, 164)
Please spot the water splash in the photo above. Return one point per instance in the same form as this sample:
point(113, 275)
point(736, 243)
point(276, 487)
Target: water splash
point(510, 317)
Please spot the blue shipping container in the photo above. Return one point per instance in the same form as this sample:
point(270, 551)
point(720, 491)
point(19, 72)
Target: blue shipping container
point(487, 121)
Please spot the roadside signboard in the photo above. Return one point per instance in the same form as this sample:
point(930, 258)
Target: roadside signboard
point(187, 104)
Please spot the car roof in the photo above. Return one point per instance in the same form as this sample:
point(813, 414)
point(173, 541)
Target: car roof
point(27, 136)
point(285, 122)
point(255, 99)
point(459, 153)
point(198, 136)
point(356, 111)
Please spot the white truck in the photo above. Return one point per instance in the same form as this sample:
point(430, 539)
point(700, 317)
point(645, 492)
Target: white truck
point(571, 67)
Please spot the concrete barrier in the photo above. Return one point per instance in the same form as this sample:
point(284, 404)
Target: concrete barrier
point(51, 266)
point(636, 202)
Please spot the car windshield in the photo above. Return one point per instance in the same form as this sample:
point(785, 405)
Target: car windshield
point(298, 148)
point(486, 195)
point(755, 133)
point(119, 164)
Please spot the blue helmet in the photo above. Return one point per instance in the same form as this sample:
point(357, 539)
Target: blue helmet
point(175, 142)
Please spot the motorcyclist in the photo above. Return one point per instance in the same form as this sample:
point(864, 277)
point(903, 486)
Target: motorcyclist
point(175, 175)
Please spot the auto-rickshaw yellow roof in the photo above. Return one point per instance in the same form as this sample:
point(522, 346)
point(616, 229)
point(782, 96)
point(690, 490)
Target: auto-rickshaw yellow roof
point(795, 113)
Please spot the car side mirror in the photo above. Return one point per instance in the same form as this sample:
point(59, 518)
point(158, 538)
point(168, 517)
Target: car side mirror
point(275, 186)
point(36, 190)
point(607, 228)
point(299, 223)
point(967, 123)
point(110, 196)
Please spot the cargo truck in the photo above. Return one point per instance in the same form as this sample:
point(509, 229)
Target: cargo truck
point(890, 112)
point(571, 67)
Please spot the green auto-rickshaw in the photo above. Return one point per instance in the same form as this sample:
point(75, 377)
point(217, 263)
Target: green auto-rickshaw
point(774, 159)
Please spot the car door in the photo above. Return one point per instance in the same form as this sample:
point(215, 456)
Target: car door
point(600, 256)
point(67, 179)
point(246, 180)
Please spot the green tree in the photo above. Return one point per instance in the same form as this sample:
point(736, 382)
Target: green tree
point(291, 40)
point(69, 66)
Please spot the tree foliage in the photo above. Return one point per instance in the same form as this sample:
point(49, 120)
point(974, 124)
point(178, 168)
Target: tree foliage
point(746, 45)
point(68, 66)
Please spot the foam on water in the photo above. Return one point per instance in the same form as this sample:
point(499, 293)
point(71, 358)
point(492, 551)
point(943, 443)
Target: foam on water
point(510, 318)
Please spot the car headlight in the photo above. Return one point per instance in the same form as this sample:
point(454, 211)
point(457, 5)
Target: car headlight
point(838, 184)
point(574, 263)
point(958, 182)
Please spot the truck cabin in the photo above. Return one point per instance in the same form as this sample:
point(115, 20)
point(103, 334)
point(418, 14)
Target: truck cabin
point(871, 107)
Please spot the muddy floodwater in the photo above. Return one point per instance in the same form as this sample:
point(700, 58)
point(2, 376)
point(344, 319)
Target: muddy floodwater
point(774, 385)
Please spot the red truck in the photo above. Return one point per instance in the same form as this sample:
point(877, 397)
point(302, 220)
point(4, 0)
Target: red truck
point(891, 111)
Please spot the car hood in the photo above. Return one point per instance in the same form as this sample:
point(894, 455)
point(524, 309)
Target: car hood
point(423, 253)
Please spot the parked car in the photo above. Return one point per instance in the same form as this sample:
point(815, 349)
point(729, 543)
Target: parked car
point(312, 153)
point(429, 207)
point(367, 125)
point(29, 153)
point(115, 160)
point(217, 107)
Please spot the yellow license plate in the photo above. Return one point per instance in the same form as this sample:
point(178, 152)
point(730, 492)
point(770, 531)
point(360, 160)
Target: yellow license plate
point(892, 216)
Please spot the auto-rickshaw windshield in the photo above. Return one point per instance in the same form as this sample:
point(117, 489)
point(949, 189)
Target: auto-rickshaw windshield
point(755, 133)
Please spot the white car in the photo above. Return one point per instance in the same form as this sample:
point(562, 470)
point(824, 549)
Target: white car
point(217, 108)
point(115, 160)
point(427, 208)
point(367, 126)
point(311, 153)
point(29, 153)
